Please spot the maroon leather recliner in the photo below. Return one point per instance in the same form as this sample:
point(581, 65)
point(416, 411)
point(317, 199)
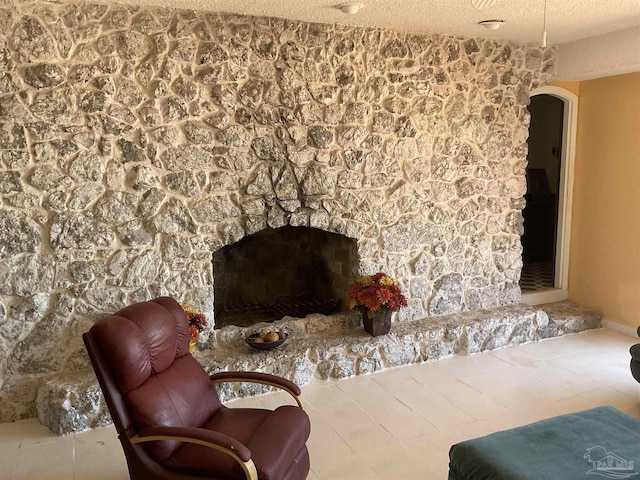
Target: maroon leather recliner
point(167, 412)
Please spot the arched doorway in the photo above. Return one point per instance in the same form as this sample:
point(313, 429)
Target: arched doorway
point(549, 195)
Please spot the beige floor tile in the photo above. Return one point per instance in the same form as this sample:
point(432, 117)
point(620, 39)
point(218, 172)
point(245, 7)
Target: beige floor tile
point(514, 397)
point(514, 356)
point(397, 424)
point(10, 436)
point(453, 389)
point(395, 379)
point(445, 416)
point(428, 374)
point(56, 456)
point(7, 464)
point(98, 455)
point(517, 418)
point(435, 448)
point(361, 439)
point(325, 443)
point(109, 467)
point(350, 467)
point(395, 462)
point(469, 431)
point(381, 404)
point(324, 396)
point(439, 471)
point(420, 397)
point(553, 347)
point(53, 472)
point(576, 384)
point(346, 417)
point(434, 442)
point(633, 410)
point(37, 434)
point(359, 387)
point(271, 401)
point(101, 441)
point(607, 396)
point(312, 476)
point(471, 365)
point(406, 425)
point(480, 406)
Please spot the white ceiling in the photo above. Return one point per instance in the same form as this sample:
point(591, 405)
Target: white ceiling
point(567, 20)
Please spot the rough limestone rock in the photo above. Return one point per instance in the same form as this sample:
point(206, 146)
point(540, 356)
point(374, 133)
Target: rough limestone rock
point(44, 75)
point(18, 234)
point(143, 269)
point(77, 403)
point(26, 275)
point(448, 295)
point(129, 136)
point(76, 231)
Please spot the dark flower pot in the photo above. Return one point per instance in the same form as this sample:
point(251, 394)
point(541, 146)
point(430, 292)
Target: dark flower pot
point(379, 323)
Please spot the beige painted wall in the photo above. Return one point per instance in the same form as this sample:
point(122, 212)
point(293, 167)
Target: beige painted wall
point(573, 87)
point(604, 268)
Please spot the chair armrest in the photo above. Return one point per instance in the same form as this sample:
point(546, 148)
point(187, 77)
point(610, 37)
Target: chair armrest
point(635, 352)
point(262, 378)
point(207, 438)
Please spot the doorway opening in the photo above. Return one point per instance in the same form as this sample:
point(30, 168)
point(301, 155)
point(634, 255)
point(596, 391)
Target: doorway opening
point(543, 185)
point(547, 213)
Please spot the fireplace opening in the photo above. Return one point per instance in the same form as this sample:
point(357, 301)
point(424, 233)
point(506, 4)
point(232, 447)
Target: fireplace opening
point(288, 271)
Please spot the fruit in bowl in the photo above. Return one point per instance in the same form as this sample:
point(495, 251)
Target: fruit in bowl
point(270, 336)
point(266, 339)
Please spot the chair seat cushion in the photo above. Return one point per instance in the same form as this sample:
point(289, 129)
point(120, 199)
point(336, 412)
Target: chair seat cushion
point(275, 438)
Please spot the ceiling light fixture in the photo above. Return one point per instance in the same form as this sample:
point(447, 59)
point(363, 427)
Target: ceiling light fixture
point(492, 24)
point(544, 26)
point(482, 4)
point(350, 8)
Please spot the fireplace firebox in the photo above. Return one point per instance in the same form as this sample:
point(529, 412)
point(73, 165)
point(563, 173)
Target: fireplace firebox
point(288, 271)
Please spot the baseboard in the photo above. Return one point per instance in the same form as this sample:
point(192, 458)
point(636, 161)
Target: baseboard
point(620, 328)
point(545, 296)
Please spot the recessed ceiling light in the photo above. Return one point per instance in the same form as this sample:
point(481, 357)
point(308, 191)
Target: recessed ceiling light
point(492, 24)
point(350, 8)
point(482, 4)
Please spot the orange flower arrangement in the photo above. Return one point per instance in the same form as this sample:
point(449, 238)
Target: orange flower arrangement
point(197, 322)
point(375, 292)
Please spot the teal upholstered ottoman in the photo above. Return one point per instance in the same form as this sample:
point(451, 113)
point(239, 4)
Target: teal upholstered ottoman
point(599, 443)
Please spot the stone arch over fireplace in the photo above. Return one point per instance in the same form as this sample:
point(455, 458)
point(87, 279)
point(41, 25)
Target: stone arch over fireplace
point(288, 271)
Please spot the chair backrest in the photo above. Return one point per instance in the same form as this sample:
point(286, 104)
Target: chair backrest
point(142, 361)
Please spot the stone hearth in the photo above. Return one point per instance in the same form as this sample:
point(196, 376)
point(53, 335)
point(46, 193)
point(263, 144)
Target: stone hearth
point(332, 347)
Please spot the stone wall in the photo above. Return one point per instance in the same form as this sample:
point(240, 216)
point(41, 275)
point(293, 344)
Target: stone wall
point(135, 142)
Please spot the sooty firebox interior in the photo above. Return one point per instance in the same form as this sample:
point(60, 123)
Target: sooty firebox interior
point(289, 271)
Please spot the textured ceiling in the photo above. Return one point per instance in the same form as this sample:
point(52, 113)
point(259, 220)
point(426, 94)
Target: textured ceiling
point(567, 20)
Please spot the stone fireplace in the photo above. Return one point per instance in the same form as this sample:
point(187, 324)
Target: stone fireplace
point(289, 271)
point(134, 142)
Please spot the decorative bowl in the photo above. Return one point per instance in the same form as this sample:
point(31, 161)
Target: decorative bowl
point(250, 340)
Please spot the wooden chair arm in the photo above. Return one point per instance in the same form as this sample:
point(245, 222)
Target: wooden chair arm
point(207, 438)
point(261, 378)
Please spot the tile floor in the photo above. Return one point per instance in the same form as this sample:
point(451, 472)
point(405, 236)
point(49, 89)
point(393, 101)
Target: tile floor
point(536, 276)
point(396, 424)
